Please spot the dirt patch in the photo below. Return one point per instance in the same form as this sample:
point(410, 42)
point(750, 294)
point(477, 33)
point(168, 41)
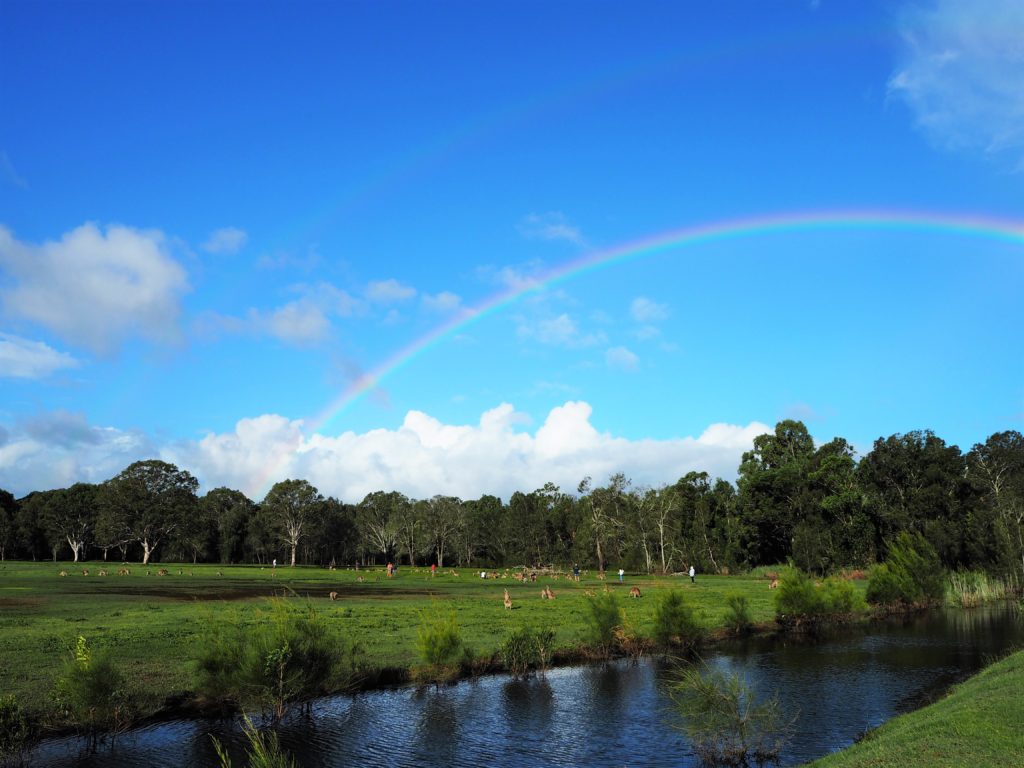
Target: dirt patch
point(19, 602)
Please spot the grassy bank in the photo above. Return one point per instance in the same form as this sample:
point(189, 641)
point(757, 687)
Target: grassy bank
point(155, 625)
point(980, 723)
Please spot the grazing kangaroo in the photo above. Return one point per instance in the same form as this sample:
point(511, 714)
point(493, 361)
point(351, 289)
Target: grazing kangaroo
point(359, 579)
point(774, 584)
point(548, 593)
point(102, 573)
point(220, 573)
point(334, 596)
point(123, 572)
point(63, 573)
point(162, 572)
point(85, 571)
point(634, 592)
point(508, 601)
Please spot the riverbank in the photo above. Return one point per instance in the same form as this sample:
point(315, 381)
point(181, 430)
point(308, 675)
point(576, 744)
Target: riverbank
point(979, 723)
point(156, 625)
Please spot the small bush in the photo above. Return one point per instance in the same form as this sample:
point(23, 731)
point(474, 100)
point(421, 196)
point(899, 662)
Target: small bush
point(800, 601)
point(264, 750)
point(287, 657)
point(18, 732)
point(911, 575)
point(724, 722)
point(737, 615)
point(439, 639)
point(527, 649)
point(675, 623)
point(92, 694)
point(604, 617)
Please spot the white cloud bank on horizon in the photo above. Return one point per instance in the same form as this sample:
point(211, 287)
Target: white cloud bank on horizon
point(421, 458)
point(962, 74)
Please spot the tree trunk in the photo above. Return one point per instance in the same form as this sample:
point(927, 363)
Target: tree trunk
point(74, 548)
point(293, 554)
point(146, 552)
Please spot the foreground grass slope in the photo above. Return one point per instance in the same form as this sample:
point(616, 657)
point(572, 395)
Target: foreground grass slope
point(156, 625)
point(979, 724)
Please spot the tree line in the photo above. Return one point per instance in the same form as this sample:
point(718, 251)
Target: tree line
point(815, 505)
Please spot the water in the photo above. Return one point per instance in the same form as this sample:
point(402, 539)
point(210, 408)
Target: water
point(608, 715)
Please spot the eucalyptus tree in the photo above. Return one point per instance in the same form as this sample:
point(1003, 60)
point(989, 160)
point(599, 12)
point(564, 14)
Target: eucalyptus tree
point(443, 523)
point(291, 506)
point(8, 524)
point(229, 512)
point(377, 518)
point(149, 501)
point(996, 470)
point(28, 520)
point(606, 513)
point(70, 515)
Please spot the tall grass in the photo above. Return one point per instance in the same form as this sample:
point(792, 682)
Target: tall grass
point(969, 589)
point(264, 751)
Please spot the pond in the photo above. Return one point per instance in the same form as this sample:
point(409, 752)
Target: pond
point(617, 714)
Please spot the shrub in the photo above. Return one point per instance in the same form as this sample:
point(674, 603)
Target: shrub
point(604, 617)
point(527, 649)
point(286, 657)
point(264, 750)
point(737, 615)
point(439, 639)
point(92, 694)
point(18, 732)
point(911, 575)
point(675, 623)
point(725, 723)
point(800, 601)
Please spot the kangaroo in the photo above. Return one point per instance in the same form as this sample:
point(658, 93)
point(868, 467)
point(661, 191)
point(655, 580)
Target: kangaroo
point(359, 579)
point(548, 593)
point(634, 592)
point(162, 572)
point(102, 573)
point(334, 596)
point(774, 584)
point(123, 572)
point(85, 571)
point(508, 601)
point(63, 573)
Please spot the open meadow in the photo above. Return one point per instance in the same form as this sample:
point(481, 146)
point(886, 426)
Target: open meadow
point(156, 624)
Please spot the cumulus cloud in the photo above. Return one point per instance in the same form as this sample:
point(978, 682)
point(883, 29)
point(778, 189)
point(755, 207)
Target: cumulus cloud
point(621, 359)
point(560, 330)
point(227, 240)
point(550, 226)
point(59, 449)
point(24, 359)
point(95, 288)
point(643, 310)
point(962, 74)
point(424, 456)
point(421, 458)
point(443, 302)
point(389, 291)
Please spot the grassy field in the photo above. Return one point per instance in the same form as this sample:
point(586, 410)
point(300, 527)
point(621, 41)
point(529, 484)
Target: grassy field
point(980, 724)
point(155, 624)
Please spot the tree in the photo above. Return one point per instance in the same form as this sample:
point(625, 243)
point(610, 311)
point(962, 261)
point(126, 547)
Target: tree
point(377, 518)
point(8, 525)
point(606, 509)
point(148, 501)
point(442, 523)
point(292, 505)
point(230, 512)
point(996, 470)
point(71, 515)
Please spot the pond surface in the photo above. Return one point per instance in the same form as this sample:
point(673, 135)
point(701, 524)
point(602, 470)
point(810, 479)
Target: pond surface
point(617, 714)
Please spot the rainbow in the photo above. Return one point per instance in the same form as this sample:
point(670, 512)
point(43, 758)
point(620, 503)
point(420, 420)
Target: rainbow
point(968, 225)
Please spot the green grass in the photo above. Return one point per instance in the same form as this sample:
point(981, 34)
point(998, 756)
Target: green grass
point(980, 723)
point(155, 624)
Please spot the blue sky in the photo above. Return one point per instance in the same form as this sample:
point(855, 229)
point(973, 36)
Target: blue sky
point(214, 218)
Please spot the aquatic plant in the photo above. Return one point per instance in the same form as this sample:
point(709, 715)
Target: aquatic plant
point(675, 622)
point(92, 694)
point(18, 731)
point(264, 750)
point(911, 574)
point(527, 649)
point(603, 617)
point(737, 613)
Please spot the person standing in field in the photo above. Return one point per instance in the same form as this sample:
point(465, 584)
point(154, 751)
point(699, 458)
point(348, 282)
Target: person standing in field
point(693, 573)
point(433, 569)
point(621, 574)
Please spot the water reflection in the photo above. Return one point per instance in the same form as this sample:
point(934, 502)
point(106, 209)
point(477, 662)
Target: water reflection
point(607, 715)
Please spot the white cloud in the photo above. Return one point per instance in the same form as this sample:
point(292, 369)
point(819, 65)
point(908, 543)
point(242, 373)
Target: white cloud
point(59, 449)
point(389, 291)
point(227, 240)
point(621, 359)
point(421, 458)
point(962, 74)
point(7, 167)
point(24, 359)
point(95, 288)
point(560, 330)
point(443, 302)
point(550, 226)
point(297, 322)
point(643, 310)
